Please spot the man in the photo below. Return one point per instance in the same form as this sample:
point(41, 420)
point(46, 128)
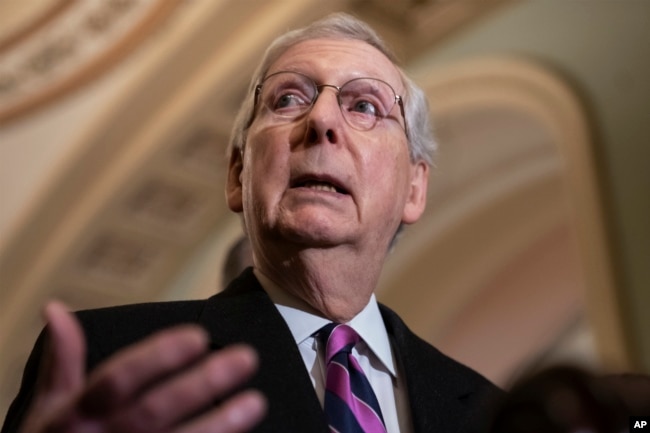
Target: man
point(329, 158)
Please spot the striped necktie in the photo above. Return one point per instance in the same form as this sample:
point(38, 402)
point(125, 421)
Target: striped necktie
point(350, 404)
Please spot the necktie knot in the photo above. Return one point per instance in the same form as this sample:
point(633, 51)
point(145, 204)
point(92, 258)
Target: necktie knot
point(338, 338)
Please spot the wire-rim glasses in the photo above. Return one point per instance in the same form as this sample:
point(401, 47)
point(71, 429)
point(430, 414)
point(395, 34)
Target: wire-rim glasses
point(363, 101)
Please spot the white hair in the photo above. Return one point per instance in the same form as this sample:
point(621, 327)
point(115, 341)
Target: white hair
point(421, 142)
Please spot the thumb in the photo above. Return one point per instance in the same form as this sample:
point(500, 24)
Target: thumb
point(62, 370)
point(63, 366)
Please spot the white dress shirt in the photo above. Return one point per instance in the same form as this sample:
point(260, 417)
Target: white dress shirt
point(373, 352)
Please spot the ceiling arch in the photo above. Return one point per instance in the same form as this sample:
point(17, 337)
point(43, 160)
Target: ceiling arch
point(513, 170)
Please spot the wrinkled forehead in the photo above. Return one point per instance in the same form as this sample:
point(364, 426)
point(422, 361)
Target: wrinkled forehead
point(336, 61)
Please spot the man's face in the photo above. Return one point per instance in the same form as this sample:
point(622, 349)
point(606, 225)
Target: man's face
point(315, 180)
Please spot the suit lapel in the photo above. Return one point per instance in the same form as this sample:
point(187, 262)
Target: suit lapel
point(244, 313)
point(438, 387)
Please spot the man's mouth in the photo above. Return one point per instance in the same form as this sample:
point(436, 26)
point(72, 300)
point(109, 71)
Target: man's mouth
point(326, 185)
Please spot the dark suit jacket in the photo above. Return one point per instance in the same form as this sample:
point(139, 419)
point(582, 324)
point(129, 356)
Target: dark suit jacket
point(444, 395)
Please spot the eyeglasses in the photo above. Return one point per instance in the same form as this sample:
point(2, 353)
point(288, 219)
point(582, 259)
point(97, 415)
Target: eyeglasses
point(363, 101)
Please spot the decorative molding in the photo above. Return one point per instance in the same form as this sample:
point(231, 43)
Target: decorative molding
point(45, 14)
point(413, 26)
point(168, 206)
point(76, 45)
point(118, 259)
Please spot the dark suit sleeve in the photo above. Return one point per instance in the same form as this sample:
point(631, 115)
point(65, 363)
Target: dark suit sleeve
point(19, 406)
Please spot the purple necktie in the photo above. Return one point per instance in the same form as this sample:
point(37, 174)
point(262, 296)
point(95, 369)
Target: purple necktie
point(350, 404)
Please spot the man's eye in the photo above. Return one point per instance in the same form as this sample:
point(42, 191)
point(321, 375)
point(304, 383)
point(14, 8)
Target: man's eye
point(365, 107)
point(288, 101)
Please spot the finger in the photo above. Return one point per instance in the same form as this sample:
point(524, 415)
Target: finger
point(239, 414)
point(63, 366)
point(189, 392)
point(131, 371)
point(61, 373)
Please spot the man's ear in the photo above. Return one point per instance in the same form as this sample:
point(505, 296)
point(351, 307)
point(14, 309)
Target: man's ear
point(417, 198)
point(234, 181)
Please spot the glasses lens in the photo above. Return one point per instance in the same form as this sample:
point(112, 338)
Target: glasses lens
point(287, 94)
point(365, 100)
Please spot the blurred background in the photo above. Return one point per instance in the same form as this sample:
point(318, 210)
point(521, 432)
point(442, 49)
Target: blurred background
point(535, 246)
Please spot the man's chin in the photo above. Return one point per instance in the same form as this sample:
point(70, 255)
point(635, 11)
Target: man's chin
point(314, 235)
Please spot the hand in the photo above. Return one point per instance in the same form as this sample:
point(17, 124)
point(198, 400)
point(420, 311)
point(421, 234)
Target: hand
point(159, 384)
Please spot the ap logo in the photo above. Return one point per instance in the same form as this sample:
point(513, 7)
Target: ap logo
point(639, 424)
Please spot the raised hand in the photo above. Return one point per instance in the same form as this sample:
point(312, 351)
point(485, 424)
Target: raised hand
point(162, 384)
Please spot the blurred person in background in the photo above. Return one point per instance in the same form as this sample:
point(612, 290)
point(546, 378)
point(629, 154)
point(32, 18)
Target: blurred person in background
point(569, 399)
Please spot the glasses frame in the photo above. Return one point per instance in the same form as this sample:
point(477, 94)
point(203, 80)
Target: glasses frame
point(399, 100)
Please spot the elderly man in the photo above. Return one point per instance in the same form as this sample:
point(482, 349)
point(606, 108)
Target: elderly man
point(329, 159)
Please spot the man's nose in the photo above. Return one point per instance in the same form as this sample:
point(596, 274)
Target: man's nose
point(325, 116)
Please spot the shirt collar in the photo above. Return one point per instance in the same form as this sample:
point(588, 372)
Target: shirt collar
point(304, 321)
